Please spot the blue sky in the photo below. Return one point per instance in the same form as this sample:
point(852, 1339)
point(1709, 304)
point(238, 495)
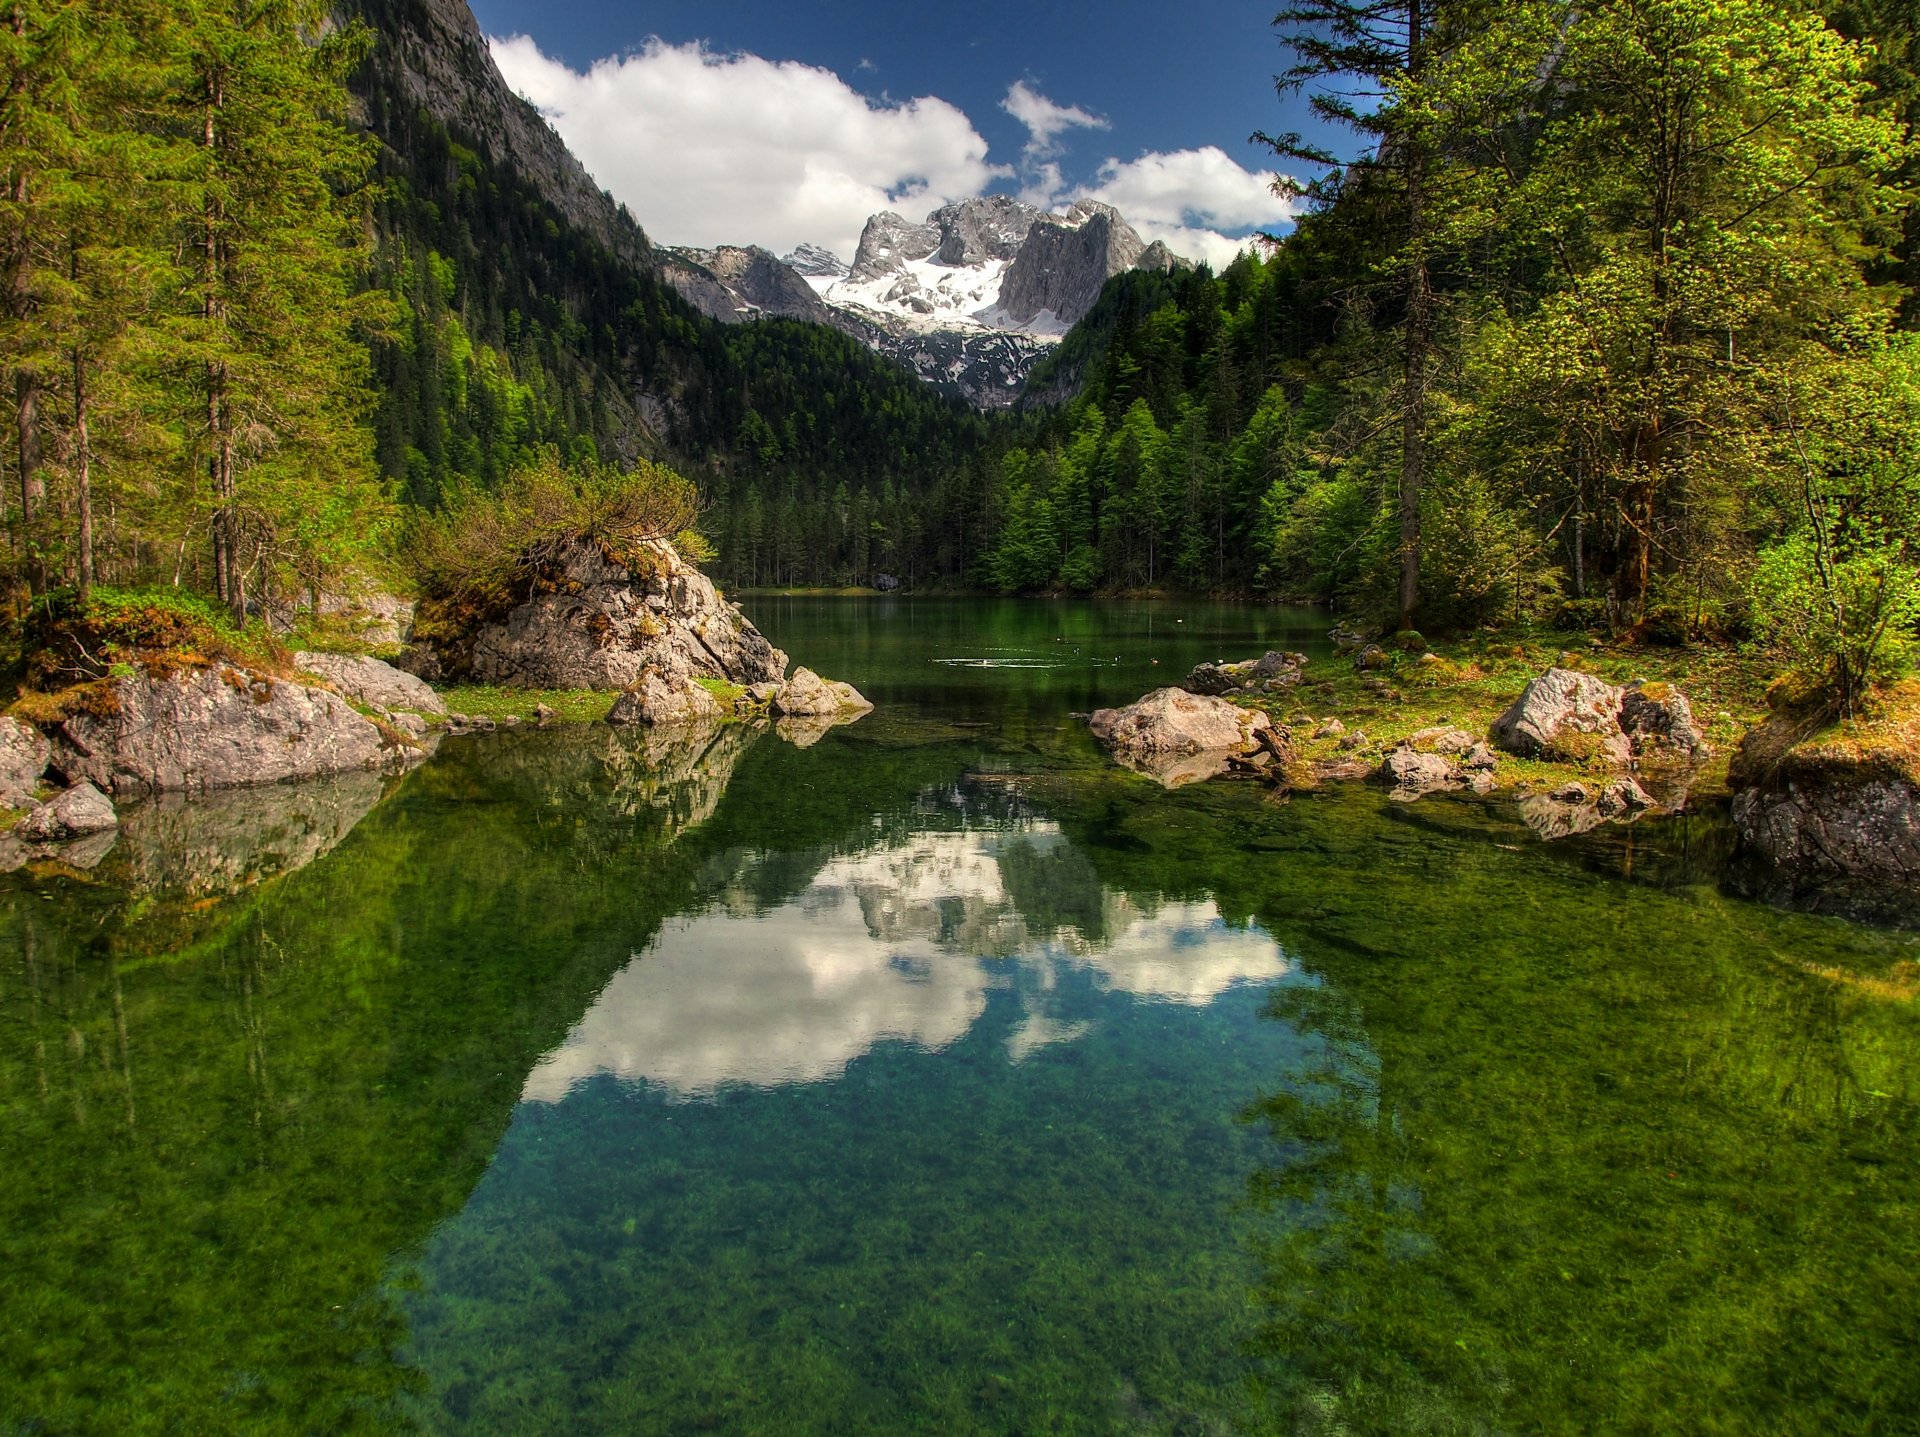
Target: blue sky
point(771, 123)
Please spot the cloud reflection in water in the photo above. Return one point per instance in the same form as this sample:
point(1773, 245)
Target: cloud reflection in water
point(899, 944)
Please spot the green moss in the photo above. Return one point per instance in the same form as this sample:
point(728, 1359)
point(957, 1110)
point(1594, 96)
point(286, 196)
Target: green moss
point(568, 705)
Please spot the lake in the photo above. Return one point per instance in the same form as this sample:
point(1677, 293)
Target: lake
point(933, 1074)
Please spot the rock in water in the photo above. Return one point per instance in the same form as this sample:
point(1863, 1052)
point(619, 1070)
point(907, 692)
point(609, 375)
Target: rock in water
point(1557, 706)
point(658, 697)
point(372, 682)
point(216, 727)
point(598, 623)
point(81, 810)
point(24, 753)
point(1179, 737)
point(807, 695)
point(1412, 774)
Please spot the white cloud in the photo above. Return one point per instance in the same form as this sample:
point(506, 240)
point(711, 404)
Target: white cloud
point(1041, 181)
point(709, 148)
point(1189, 197)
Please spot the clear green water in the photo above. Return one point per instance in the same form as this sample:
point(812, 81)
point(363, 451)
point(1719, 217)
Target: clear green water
point(940, 1077)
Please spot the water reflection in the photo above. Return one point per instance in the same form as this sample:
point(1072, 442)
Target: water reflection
point(901, 943)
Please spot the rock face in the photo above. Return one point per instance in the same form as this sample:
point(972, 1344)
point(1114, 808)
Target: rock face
point(24, 752)
point(1819, 833)
point(1179, 737)
point(1566, 714)
point(1827, 825)
point(372, 682)
point(1064, 263)
point(807, 695)
point(734, 283)
point(663, 698)
point(81, 810)
point(215, 727)
point(601, 624)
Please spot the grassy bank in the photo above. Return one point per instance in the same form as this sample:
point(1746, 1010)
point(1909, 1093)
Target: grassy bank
point(1470, 683)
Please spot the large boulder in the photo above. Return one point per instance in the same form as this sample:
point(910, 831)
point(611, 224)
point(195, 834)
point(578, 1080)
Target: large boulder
point(1828, 822)
point(597, 623)
point(663, 697)
point(1565, 714)
point(1658, 722)
point(24, 753)
point(214, 727)
point(807, 695)
point(370, 681)
point(81, 810)
point(1179, 737)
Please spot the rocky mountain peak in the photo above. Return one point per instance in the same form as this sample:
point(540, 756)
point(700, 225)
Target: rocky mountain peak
point(889, 243)
point(975, 231)
point(810, 261)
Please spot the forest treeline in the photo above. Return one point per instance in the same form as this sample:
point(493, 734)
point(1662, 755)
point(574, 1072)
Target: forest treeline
point(1597, 320)
point(1594, 313)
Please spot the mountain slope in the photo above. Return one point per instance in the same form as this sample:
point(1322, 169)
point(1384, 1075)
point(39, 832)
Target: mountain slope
point(970, 300)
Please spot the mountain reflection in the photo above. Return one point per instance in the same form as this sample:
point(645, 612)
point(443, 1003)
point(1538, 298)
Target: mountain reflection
point(900, 943)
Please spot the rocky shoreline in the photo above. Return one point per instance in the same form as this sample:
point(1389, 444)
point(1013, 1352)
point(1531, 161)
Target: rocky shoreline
point(650, 628)
point(1815, 826)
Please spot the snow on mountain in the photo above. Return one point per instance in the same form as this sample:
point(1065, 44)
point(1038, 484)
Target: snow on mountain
point(968, 299)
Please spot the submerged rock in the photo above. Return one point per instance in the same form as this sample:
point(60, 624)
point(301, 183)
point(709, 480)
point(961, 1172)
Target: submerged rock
point(370, 681)
point(1179, 737)
point(24, 753)
point(215, 727)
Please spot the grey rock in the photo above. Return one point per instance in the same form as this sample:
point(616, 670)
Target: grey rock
point(543, 715)
point(1820, 830)
point(889, 242)
point(1211, 680)
point(991, 227)
point(1479, 758)
point(1332, 728)
point(217, 727)
point(411, 724)
point(1179, 737)
point(24, 753)
point(1411, 774)
point(660, 697)
point(81, 810)
point(1445, 739)
point(607, 622)
point(734, 283)
point(1658, 720)
point(1372, 658)
point(815, 262)
point(807, 695)
point(1355, 740)
point(1555, 707)
point(1065, 262)
point(373, 682)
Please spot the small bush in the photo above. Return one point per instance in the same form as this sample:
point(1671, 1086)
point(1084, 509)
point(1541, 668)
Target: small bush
point(485, 549)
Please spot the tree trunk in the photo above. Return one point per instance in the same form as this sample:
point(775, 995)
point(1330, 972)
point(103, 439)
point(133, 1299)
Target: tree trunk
point(33, 482)
point(1419, 343)
point(83, 474)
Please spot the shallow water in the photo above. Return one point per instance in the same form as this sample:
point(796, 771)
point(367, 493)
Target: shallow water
point(938, 1076)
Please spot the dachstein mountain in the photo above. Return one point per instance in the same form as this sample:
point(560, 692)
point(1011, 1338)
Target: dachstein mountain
point(968, 300)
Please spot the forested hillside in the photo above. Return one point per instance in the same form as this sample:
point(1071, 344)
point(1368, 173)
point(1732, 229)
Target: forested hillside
point(1599, 319)
point(1598, 316)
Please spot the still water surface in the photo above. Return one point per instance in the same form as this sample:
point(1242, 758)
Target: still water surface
point(932, 1074)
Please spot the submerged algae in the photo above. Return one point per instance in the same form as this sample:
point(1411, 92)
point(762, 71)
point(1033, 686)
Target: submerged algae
point(1475, 1135)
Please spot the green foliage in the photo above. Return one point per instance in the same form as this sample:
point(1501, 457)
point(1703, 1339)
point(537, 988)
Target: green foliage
point(482, 546)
